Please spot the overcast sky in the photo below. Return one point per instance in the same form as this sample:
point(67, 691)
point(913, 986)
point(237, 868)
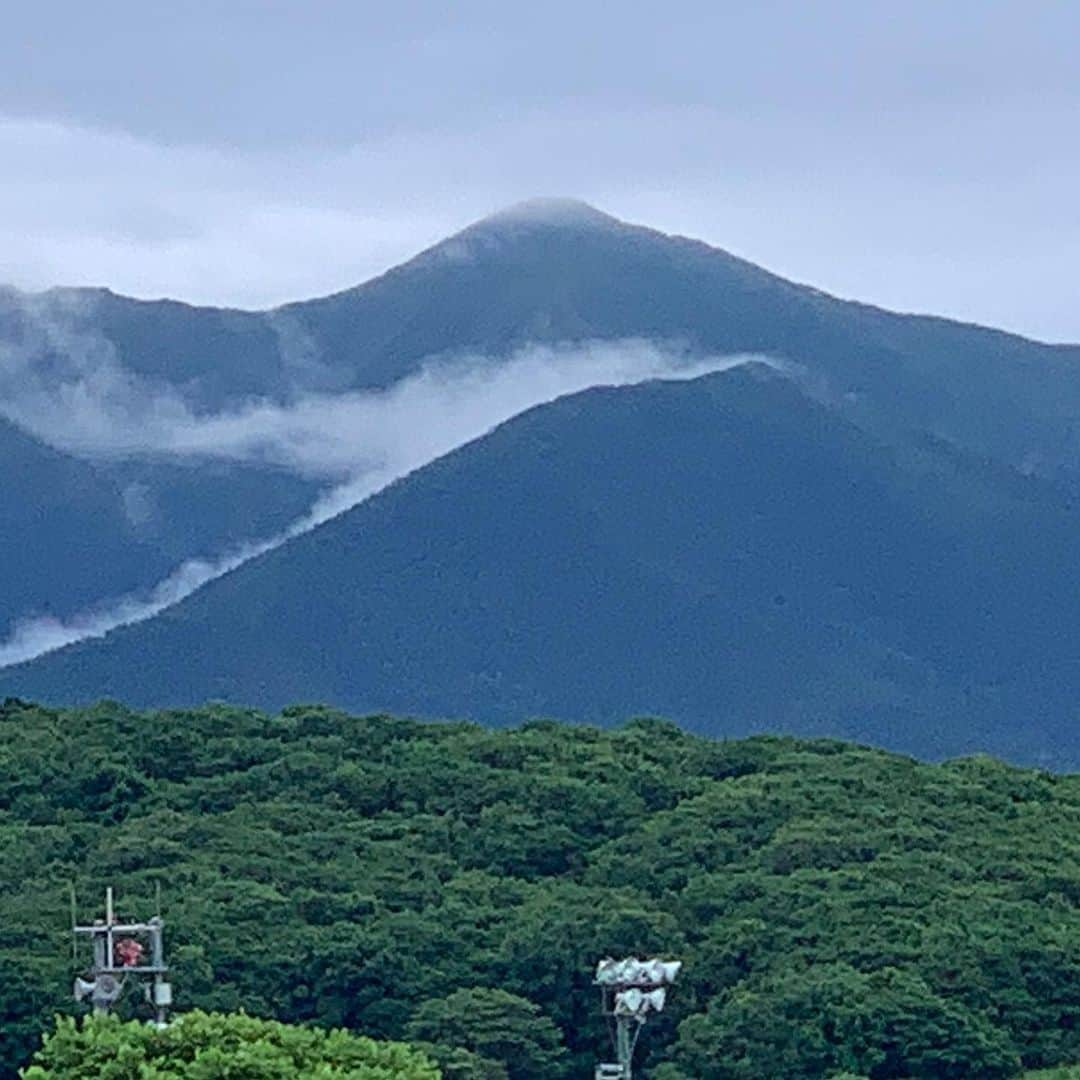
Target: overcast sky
point(923, 155)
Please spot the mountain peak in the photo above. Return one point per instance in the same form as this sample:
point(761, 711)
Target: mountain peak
point(528, 220)
point(550, 211)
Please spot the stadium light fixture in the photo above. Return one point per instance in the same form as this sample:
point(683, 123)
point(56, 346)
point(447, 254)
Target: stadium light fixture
point(631, 991)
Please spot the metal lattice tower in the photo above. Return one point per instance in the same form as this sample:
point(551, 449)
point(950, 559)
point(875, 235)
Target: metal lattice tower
point(122, 951)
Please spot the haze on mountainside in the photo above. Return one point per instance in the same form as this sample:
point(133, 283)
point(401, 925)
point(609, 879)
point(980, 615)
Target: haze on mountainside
point(888, 634)
point(216, 434)
point(131, 400)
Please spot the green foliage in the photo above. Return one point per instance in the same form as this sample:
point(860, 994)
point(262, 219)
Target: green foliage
point(840, 910)
point(211, 1046)
point(457, 1063)
point(831, 1018)
point(496, 1026)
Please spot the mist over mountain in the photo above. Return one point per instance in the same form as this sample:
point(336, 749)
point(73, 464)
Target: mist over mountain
point(220, 430)
point(206, 491)
point(724, 551)
point(558, 272)
point(75, 533)
point(879, 545)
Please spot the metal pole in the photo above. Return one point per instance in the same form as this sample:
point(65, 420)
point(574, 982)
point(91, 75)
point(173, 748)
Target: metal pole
point(158, 960)
point(108, 925)
point(100, 960)
point(624, 1046)
point(74, 936)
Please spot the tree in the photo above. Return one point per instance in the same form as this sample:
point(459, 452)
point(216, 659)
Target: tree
point(208, 1046)
point(886, 1025)
point(456, 1063)
point(495, 1025)
point(838, 903)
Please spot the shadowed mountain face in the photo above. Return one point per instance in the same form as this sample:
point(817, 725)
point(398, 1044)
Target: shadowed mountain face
point(64, 538)
point(725, 551)
point(74, 533)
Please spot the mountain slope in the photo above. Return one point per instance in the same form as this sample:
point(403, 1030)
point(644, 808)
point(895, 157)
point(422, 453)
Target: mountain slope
point(553, 271)
point(64, 539)
point(724, 551)
point(75, 534)
point(211, 355)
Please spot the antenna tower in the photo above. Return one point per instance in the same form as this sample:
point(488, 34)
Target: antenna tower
point(122, 951)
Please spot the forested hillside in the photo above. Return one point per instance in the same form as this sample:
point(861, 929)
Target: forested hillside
point(881, 547)
point(839, 909)
point(723, 551)
point(75, 533)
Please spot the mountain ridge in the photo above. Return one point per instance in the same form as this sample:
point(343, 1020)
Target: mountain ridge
point(965, 439)
point(549, 212)
point(500, 285)
point(724, 551)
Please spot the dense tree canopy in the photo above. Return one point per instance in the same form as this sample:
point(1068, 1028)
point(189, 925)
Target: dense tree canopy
point(201, 1046)
point(841, 911)
point(495, 1026)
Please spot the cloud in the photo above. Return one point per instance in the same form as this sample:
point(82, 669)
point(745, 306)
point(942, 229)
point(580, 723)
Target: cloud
point(66, 386)
point(359, 442)
point(923, 213)
point(41, 634)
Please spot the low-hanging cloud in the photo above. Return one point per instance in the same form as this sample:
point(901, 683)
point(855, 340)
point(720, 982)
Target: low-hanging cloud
point(357, 442)
point(65, 384)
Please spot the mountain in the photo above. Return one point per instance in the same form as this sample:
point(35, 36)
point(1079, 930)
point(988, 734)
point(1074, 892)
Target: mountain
point(212, 355)
point(63, 535)
point(938, 618)
point(560, 271)
point(724, 551)
point(75, 534)
point(553, 271)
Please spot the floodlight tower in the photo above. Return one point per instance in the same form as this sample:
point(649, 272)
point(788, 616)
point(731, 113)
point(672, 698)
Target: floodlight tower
point(119, 952)
point(630, 990)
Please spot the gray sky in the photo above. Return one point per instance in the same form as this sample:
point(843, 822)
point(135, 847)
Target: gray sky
point(920, 155)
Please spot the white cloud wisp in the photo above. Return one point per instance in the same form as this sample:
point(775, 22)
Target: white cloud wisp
point(358, 442)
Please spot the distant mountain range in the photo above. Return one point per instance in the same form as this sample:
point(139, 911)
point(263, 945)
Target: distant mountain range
point(879, 543)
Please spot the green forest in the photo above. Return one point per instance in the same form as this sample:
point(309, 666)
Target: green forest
point(210, 1046)
point(840, 911)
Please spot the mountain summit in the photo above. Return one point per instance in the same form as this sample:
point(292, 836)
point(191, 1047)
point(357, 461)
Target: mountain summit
point(550, 211)
point(560, 271)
